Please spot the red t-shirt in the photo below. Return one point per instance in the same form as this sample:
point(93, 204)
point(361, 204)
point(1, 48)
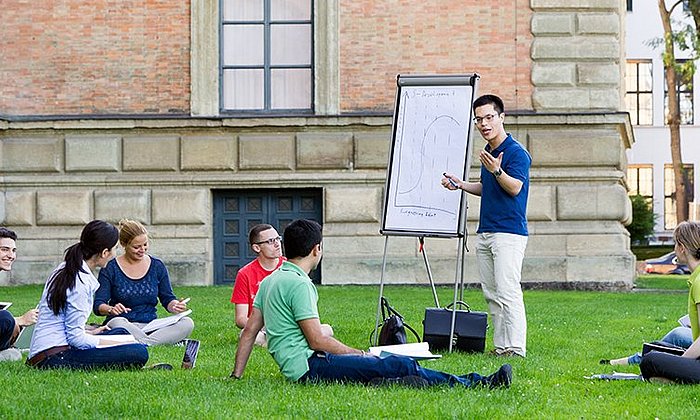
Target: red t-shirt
point(248, 282)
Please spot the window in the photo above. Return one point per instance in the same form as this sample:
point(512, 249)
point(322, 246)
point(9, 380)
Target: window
point(684, 88)
point(670, 194)
point(629, 5)
point(640, 180)
point(639, 91)
point(266, 55)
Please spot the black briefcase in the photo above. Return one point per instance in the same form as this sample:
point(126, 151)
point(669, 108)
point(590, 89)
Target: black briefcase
point(469, 333)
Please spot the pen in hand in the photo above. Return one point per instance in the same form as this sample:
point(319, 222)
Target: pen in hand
point(450, 180)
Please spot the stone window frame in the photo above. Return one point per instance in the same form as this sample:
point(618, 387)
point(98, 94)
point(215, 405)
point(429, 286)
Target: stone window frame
point(204, 58)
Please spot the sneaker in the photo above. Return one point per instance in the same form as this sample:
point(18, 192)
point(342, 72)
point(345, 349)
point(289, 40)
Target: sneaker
point(501, 378)
point(411, 381)
point(160, 366)
point(604, 362)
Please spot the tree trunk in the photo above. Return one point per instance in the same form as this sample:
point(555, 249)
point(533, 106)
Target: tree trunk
point(674, 118)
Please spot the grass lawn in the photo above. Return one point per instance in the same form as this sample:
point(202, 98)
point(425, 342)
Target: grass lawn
point(670, 282)
point(568, 333)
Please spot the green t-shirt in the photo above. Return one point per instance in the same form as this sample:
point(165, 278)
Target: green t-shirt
point(693, 300)
point(286, 297)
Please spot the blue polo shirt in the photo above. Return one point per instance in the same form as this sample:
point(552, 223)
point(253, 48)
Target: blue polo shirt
point(501, 212)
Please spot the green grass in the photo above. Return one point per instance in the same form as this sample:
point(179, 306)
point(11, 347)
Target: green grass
point(645, 252)
point(568, 332)
point(669, 282)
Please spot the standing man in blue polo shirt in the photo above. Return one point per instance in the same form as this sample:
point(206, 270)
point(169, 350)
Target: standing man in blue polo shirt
point(502, 232)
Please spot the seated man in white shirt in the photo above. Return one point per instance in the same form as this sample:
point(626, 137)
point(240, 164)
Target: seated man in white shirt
point(10, 326)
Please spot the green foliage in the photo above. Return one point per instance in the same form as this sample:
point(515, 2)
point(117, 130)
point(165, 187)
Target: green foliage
point(568, 332)
point(643, 219)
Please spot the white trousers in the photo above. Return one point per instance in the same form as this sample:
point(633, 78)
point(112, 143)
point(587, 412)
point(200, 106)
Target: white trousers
point(500, 260)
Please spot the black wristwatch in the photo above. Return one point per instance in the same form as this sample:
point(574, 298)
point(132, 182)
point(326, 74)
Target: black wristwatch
point(497, 172)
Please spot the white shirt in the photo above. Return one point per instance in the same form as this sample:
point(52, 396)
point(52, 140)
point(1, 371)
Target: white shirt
point(68, 327)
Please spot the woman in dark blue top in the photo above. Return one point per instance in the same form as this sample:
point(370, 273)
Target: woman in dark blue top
point(132, 284)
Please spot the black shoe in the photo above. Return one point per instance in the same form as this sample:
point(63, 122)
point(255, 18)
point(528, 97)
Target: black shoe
point(501, 378)
point(412, 381)
point(160, 366)
point(604, 362)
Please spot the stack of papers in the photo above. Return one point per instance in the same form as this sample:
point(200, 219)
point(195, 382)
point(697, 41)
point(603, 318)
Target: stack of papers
point(417, 351)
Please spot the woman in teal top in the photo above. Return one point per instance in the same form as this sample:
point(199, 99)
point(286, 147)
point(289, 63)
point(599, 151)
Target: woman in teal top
point(685, 368)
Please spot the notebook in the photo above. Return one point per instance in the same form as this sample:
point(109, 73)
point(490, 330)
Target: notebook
point(5, 305)
point(159, 323)
point(25, 338)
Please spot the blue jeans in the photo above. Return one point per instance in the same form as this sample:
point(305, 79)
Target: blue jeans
point(128, 356)
point(7, 327)
point(679, 337)
point(356, 368)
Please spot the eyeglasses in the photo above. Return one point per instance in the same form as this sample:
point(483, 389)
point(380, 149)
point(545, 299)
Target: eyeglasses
point(270, 241)
point(486, 118)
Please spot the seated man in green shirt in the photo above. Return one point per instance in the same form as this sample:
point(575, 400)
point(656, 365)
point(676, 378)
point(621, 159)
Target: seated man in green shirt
point(287, 305)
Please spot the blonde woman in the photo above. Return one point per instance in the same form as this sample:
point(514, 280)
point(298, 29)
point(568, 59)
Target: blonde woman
point(131, 286)
point(685, 368)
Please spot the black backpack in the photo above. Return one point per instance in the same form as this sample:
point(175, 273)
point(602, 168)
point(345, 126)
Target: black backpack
point(392, 328)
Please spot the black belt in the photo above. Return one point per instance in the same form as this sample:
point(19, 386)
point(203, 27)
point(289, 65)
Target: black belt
point(45, 354)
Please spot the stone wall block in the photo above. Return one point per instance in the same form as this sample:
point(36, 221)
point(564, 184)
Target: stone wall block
point(114, 205)
point(607, 202)
point(180, 206)
point(31, 154)
point(561, 99)
point(586, 245)
point(208, 153)
point(274, 151)
point(553, 24)
point(362, 204)
point(324, 150)
point(20, 208)
point(554, 74)
point(55, 208)
point(598, 74)
point(151, 153)
point(372, 150)
point(93, 153)
point(598, 23)
point(611, 268)
point(544, 245)
point(604, 48)
point(541, 203)
point(584, 148)
point(544, 269)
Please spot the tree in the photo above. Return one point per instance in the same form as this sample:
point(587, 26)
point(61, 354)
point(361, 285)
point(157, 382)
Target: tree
point(643, 218)
point(685, 39)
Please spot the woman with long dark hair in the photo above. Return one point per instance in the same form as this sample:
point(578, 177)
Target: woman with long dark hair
point(60, 339)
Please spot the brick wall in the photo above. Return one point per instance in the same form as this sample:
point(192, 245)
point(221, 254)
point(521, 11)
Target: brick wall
point(380, 38)
point(97, 57)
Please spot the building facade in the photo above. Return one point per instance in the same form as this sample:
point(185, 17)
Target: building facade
point(650, 171)
point(202, 118)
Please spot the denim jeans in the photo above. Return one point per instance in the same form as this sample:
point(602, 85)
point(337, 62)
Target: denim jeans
point(329, 367)
point(7, 327)
point(116, 357)
point(679, 337)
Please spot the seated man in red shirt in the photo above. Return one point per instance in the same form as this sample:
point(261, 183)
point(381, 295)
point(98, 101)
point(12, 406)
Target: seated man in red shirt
point(267, 244)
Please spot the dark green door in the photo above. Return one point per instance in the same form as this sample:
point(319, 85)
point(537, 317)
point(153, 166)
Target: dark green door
point(236, 211)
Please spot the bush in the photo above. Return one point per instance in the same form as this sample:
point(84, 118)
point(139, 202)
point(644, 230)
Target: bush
point(643, 219)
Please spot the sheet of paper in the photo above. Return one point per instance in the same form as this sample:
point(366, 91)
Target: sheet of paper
point(418, 351)
point(684, 320)
point(119, 340)
point(159, 323)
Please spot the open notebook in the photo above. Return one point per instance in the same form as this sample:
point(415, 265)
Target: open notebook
point(159, 323)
